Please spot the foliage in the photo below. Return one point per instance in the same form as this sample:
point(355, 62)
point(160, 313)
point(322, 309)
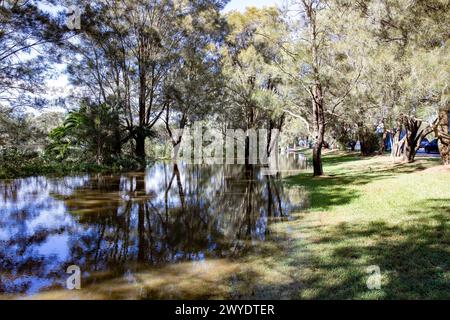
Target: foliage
point(254, 85)
point(16, 163)
point(26, 31)
point(332, 71)
point(87, 134)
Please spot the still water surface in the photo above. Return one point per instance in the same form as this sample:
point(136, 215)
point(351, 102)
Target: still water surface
point(112, 226)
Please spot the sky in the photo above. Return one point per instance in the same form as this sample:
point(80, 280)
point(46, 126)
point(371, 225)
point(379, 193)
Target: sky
point(240, 5)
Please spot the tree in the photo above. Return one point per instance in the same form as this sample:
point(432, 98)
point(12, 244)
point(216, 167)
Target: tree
point(27, 39)
point(415, 35)
point(132, 49)
point(314, 73)
point(442, 132)
point(255, 93)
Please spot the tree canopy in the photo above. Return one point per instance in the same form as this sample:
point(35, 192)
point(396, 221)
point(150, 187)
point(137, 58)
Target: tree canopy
point(332, 72)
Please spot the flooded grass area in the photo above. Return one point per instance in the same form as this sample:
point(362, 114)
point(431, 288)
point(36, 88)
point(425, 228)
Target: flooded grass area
point(174, 231)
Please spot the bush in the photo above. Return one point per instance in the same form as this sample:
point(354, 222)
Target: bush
point(124, 163)
point(16, 163)
point(370, 141)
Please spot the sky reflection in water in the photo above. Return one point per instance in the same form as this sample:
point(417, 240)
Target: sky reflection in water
point(120, 223)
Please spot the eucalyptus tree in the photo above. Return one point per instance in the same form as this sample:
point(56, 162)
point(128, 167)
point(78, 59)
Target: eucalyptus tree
point(364, 72)
point(394, 53)
point(128, 51)
point(194, 90)
point(255, 93)
point(323, 79)
point(27, 38)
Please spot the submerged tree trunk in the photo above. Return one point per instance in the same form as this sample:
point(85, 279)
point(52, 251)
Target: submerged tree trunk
point(142, 243)
point(140, 146)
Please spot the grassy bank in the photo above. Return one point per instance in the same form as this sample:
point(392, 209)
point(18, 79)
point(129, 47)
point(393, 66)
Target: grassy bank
point(366, 212)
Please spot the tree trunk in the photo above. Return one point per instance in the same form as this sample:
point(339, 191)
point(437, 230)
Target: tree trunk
point(317, 160)
point(397, 143)
point(142, 208)
point(117, 145)
point(412, 126)
point(383, 141)
point(140, 146)
point(362, 139)
point(413, 136)
point(316, 92)
point(99, 154)
point(319, 125)
point(444, 135)
point(140, 136)
point(409, 152)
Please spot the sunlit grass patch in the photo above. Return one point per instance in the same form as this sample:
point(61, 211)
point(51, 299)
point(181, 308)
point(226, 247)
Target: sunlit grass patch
point(372, 212)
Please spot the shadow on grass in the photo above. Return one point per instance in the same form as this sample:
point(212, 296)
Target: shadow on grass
point(336, 190)
point(414, 259)
point(413, 255)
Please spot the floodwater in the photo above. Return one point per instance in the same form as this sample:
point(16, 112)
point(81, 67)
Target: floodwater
point(171, 231)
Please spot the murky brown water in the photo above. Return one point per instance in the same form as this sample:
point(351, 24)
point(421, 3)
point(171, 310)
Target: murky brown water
point(144, 231)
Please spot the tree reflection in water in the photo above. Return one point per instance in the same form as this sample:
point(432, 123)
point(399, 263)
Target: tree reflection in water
point(113, 224)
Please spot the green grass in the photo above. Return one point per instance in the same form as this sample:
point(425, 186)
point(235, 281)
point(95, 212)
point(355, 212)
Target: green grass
point(366, 212)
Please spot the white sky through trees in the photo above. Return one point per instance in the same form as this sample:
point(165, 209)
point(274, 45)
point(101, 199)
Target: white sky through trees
point(240, 5)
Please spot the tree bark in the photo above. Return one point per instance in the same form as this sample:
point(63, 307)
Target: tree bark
point(140, 146)
point(117, 145)
point(319, 126)
point(383, 141)
point(444, 135)
point(397, 144)
point(413, 136)
point(363, 139)
point(412, 129)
